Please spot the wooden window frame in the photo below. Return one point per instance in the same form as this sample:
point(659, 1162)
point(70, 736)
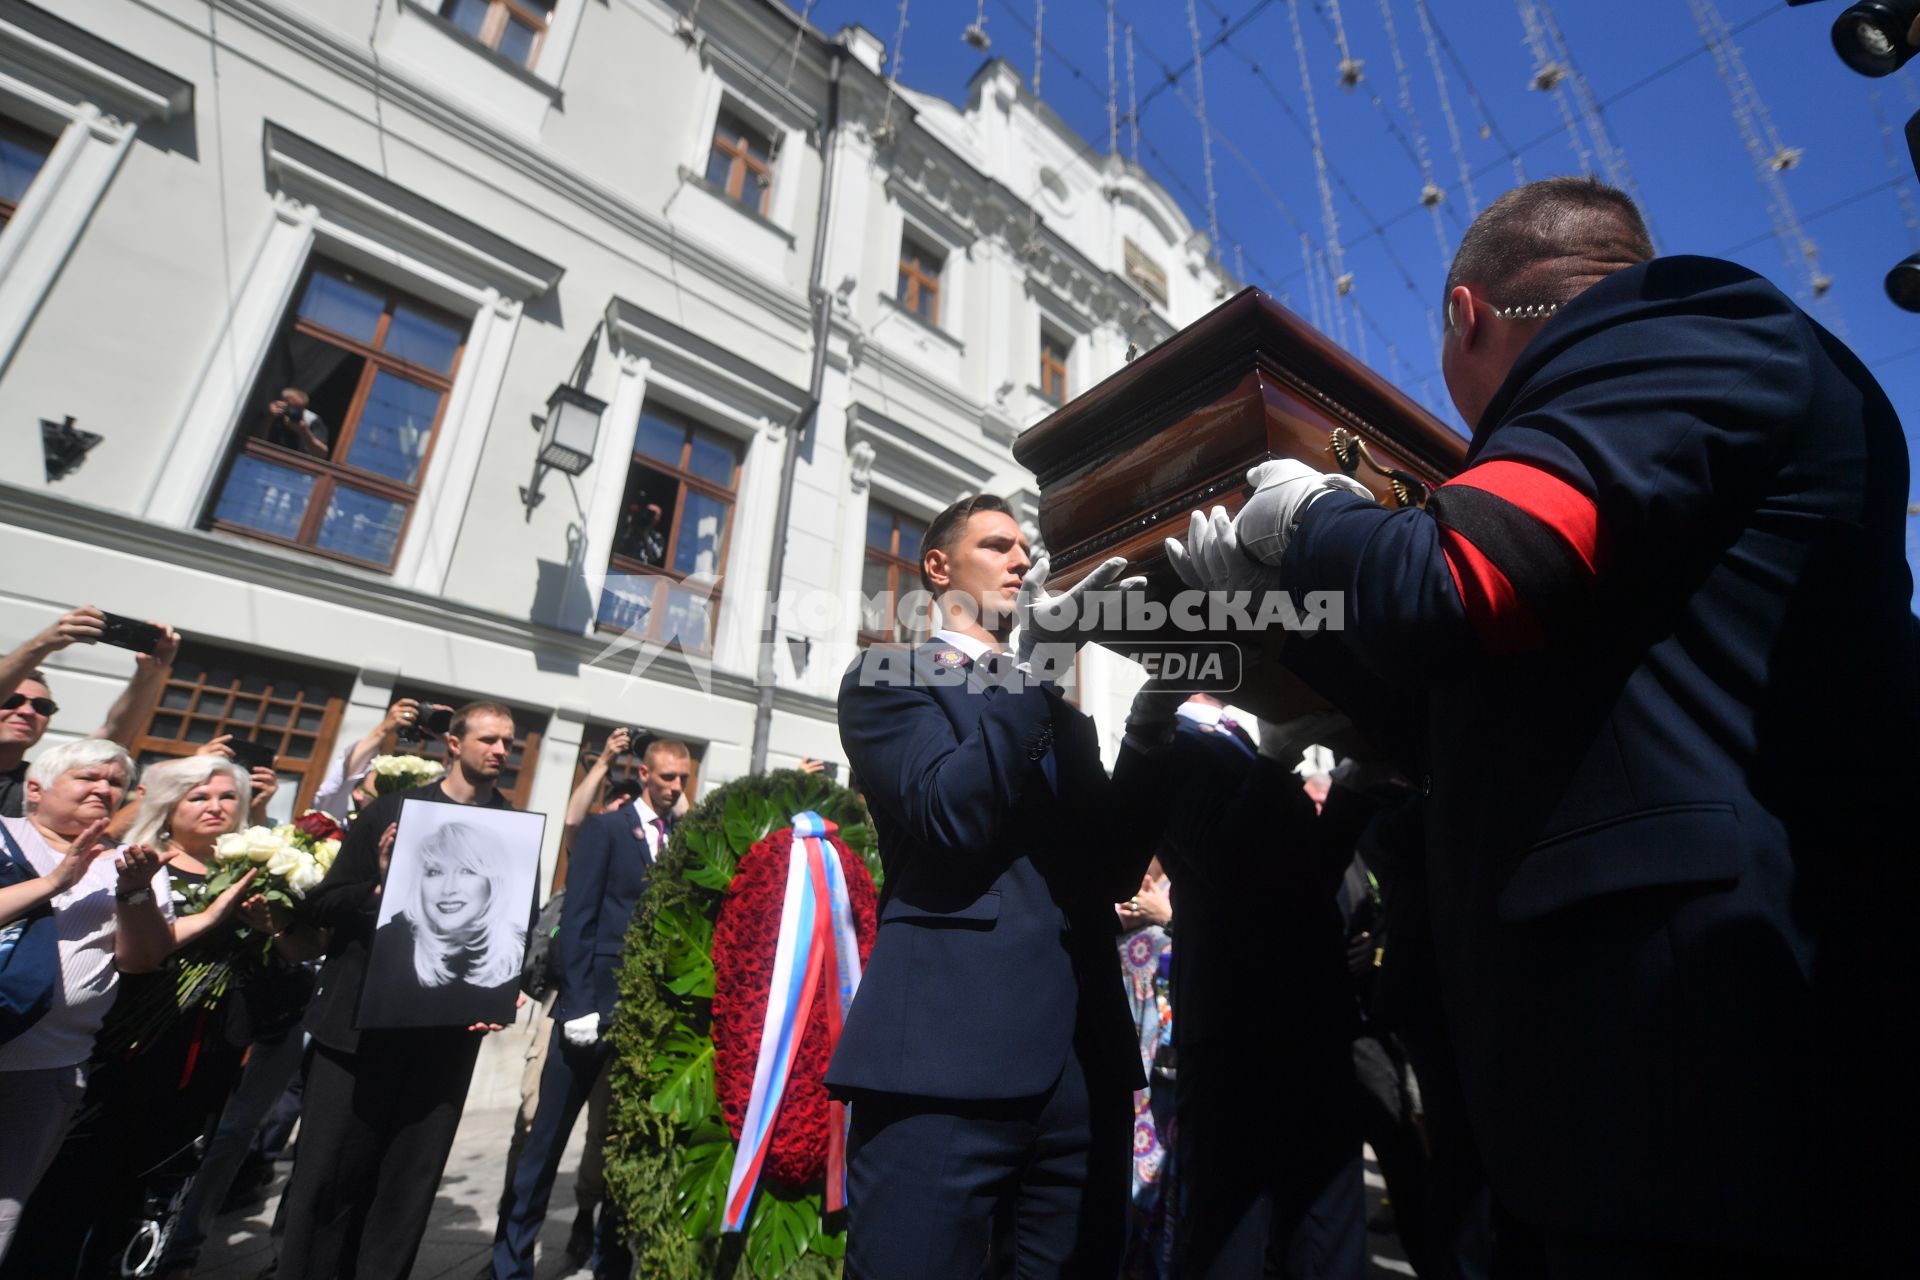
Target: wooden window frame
point(1053, 368)
point(312, 771)
point(898, 566)
point(329, 473)
point(21, 133)
point(684, 479)
point(740, 159)
point(500, 12)
point(916, 281)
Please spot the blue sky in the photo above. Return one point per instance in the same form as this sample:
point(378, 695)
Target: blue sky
point(1664, 106)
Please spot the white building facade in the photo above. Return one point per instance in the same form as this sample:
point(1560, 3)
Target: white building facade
point(425, 216)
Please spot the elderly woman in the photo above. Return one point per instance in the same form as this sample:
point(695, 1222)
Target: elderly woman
point(162, 1072)
point(110, 914)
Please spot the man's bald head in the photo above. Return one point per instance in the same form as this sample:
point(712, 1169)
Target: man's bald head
point(1530, 252)
point(1547, 242)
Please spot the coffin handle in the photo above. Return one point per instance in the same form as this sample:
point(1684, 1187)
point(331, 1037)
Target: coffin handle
point(1350, 451)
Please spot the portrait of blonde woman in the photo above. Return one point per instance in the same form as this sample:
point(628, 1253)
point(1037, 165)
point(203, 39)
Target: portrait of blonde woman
point(449, 954)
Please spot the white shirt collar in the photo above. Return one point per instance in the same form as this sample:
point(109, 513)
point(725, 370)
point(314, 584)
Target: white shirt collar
point(1199, 712)
point(972, 646)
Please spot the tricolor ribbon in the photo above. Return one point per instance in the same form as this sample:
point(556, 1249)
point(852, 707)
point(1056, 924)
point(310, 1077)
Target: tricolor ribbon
point(816, 937)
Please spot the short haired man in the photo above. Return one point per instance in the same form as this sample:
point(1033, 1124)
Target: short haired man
point(607, 874)
point(989, 1054)
point(381, 1106)
point(1673, 564)
point(27, 706)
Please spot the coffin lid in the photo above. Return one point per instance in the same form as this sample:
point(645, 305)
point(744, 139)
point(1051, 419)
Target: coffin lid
point(1249, 330)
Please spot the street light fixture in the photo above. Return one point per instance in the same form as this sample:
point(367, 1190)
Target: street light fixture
point(567, 438)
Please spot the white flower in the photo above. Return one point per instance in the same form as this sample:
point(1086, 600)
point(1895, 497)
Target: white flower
point(307, 874)
point(286, 861)
point(262, 844)
point(231, 847)
point(324, 852)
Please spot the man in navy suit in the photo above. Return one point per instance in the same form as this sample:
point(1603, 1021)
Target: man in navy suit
point(1266, 1139)
point(607, 872)
point(989, 1054)
point(1659, 630)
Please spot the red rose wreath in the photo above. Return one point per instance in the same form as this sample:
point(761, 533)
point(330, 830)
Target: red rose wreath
point(745, 937)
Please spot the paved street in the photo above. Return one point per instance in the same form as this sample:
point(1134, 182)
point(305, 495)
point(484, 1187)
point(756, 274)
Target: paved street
point(461, 1231)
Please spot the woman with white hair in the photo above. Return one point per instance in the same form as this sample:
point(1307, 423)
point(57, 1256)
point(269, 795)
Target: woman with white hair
point(457, 943)
point(165, 1065)
point(110, 915)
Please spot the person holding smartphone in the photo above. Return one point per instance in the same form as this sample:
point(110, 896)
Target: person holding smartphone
point(27, 705)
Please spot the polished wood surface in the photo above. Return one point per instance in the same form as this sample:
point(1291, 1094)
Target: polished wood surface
point(1122, 467)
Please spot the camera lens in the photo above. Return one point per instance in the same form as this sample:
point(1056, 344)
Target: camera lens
point(1903, 283)
point(1871, 37)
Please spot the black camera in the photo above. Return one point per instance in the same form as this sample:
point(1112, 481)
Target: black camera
point(436, 718)
point(1875, 37)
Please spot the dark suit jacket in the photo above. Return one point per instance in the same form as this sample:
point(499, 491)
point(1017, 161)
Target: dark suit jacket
point(996, 922)
point(1259, 956)
point(607, 873)
point(1652, 832)
point(344, 904)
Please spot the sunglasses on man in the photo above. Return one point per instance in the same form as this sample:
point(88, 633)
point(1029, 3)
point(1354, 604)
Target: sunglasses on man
point(45, 706)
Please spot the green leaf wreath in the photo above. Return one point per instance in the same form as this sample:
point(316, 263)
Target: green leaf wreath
point(669, 1153)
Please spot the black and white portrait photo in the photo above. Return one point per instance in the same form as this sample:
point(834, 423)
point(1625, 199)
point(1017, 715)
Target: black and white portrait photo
point(454, 917)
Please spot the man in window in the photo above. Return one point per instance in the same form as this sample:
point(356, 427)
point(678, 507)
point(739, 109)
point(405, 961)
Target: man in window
point(644, 539)
point(292, 425)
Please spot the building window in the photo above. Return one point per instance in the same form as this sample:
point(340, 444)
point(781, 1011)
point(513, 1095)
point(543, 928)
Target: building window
point(514, 28)
point(919, 290)
point(674, 523)
point(22, 152)
point(1149, 275)
point(890, 572)
point(516, 777)
point(741, 162)
point(293, 709)
point(341, 424)
point(1053, 367)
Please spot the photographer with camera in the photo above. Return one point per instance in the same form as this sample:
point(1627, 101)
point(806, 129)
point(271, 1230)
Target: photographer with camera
point(292, 425)
point(27, 707)
point(405, 720)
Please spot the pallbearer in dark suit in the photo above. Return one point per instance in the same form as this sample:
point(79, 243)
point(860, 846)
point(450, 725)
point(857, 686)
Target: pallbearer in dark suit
point(1671, 576)
point(1266, 1139)
point(607, 872)
point(989, 1054)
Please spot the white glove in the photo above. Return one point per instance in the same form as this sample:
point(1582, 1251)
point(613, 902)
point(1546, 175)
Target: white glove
point(1039, 617)
point(581, 1031)
point(1282, 491)
point(1212, 559)
point(1284, 741)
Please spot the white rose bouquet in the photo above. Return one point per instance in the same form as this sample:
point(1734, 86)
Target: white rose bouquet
point(402, 773)
point(292, 859)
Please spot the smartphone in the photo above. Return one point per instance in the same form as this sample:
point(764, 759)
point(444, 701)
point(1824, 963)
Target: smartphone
point(251, 755)
point(125, 633)
point(832, 769)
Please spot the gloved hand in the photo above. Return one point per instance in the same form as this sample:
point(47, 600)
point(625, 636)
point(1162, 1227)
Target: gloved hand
point(1284, 741)
point(1212, 559)
point(1044, 625)
point(1282, 491)
point(1152, 712)
point(582, 1031)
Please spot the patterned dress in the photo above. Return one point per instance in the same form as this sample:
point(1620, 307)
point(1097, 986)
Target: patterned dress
point(1145, 959)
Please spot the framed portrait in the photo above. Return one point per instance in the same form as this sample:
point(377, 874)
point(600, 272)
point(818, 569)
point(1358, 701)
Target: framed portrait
point(454, 917)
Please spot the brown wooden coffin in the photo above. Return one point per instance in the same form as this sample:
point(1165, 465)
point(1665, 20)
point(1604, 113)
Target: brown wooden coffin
point(1122, 467)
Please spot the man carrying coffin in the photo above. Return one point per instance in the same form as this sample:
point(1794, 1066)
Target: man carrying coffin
point(989, 1054)
point(1670, 574)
